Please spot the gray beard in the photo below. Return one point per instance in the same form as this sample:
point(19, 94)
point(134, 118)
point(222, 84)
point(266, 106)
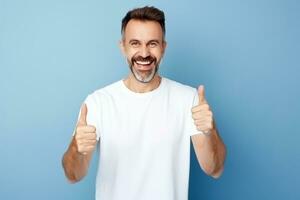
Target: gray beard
point(143, 79)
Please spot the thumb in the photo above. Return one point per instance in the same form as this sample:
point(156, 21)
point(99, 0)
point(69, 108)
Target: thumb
point(83, 114)
point(201, 95)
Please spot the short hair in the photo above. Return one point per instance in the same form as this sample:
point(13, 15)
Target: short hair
point(145, 14)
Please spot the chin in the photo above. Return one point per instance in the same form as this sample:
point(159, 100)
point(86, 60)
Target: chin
point(144, 79)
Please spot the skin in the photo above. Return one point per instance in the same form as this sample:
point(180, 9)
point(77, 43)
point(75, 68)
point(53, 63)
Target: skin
point(77, 158)
point(145, 39)
point(209, 147)
point(142, 38)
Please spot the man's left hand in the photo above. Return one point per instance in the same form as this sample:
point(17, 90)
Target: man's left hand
point(202, 115)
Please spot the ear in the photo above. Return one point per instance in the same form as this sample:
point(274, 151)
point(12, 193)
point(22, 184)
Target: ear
point(164, 46)
point(122, 47)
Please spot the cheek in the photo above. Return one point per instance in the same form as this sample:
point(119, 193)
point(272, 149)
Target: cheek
point(131, 53)
point(129, 56)
point(158, 53)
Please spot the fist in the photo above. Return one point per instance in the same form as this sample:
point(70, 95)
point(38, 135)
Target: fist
point(202, 115)
point(85, 135)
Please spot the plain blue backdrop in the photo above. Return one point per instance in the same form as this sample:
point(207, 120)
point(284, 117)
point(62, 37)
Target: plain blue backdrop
point(54, 53)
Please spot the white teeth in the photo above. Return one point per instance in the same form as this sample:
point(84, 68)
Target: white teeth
point(143, 62)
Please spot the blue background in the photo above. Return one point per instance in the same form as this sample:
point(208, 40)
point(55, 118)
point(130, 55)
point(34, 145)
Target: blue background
point(246, 53)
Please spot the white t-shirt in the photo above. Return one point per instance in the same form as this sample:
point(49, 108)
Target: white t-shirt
point(144, 140)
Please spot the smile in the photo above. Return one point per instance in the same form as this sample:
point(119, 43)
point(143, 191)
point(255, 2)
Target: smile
point(143, 62)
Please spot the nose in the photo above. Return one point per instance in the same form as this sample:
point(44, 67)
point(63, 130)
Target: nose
point(144, 51)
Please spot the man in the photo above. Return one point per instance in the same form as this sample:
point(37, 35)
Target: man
point(143, 124)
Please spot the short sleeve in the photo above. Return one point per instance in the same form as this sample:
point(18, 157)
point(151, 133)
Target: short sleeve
point(93, 117)
point(191, 128)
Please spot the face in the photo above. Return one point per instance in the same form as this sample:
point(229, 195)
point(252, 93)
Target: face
point(143, 45)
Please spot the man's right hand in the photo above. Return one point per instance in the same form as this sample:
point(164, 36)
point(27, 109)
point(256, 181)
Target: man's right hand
point(85, 135)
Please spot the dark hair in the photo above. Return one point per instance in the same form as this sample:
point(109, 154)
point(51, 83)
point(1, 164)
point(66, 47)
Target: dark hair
point(145, 13)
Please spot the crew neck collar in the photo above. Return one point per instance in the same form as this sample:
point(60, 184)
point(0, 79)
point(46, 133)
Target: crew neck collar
point(143, 94)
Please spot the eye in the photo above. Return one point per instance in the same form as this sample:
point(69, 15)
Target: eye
point(153, 44)
point(134, 43)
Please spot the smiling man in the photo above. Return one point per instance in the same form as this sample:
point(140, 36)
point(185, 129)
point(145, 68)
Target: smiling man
point(144, 123)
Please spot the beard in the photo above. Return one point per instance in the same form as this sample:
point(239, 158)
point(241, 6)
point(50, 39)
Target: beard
point(143, 75)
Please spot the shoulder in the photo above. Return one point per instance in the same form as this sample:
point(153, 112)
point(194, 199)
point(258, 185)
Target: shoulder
point(104, 92)
point(180, 89)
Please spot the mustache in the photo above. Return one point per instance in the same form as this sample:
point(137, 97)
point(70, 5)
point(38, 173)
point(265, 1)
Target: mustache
point(141, 58)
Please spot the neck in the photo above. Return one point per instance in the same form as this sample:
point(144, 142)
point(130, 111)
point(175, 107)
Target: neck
point(138, 87)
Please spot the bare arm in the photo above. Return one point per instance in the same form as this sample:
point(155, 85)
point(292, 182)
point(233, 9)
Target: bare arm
point(209, 147)
point(74, 163)
point(211, 152)
point(77, 158)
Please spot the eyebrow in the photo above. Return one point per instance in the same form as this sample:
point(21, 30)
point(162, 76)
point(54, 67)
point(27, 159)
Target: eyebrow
point(135, 40)
point(157, 41)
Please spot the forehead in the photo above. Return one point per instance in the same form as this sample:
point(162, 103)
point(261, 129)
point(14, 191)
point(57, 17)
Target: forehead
point(143, 30)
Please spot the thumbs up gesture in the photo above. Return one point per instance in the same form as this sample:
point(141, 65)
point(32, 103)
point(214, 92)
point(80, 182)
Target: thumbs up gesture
point(202, 115)
point(85, 135)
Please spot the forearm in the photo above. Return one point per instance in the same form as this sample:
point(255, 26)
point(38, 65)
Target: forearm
point(213, 154)
point(74, 163)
